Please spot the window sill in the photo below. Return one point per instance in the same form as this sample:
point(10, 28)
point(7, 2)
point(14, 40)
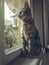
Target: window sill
point(13, 49)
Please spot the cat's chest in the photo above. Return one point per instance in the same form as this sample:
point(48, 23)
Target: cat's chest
point(28, 28)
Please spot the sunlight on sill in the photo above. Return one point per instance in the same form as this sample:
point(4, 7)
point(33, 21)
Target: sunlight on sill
point(34, 62)
point(13, 49)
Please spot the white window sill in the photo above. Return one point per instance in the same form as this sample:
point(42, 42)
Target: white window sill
point(13, 49)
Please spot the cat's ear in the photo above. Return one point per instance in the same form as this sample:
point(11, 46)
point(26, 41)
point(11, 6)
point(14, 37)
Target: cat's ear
point(26, 5)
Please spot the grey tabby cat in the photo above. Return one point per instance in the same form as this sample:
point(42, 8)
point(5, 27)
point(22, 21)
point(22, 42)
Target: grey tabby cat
point(31, 39)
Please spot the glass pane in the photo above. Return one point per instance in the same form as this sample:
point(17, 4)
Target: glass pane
point(12, 25)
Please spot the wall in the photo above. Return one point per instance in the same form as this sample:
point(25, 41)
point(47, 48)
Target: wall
point(0, 60)
point(32, 7)
point(1, 31)
point(37, 15)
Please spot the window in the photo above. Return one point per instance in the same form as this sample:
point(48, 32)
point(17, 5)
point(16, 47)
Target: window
point(12, 25)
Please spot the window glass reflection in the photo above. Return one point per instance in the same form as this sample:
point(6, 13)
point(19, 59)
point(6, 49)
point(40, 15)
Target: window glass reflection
point(12, 28)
